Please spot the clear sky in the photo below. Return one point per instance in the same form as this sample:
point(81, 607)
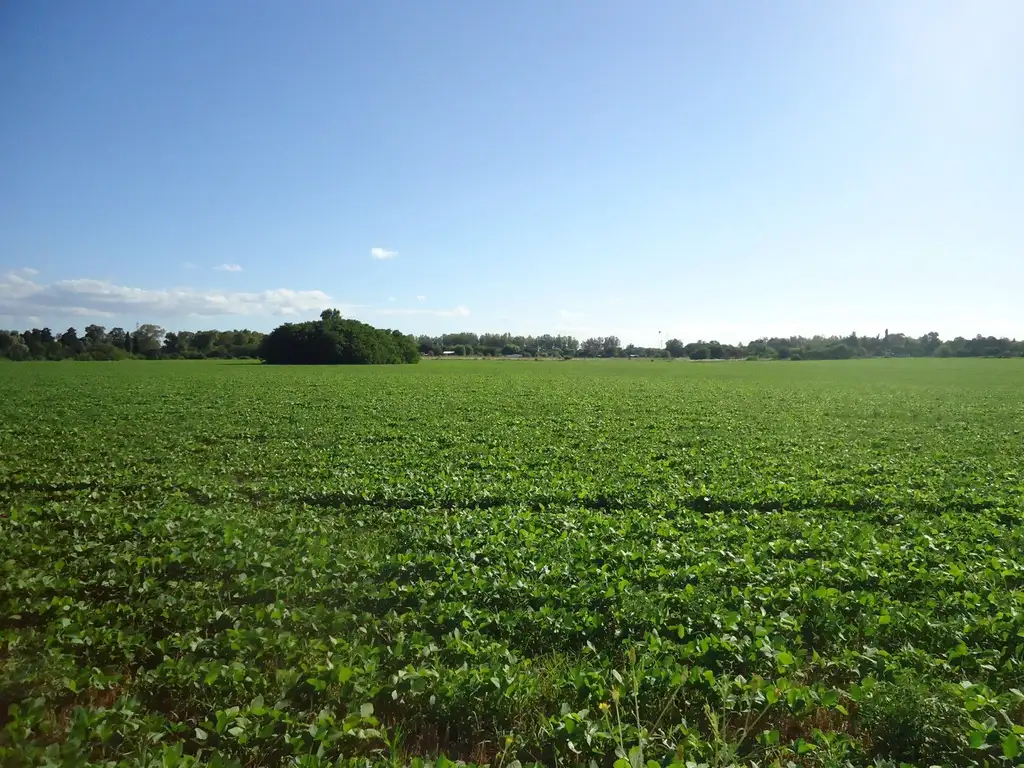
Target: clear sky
point(709, 169)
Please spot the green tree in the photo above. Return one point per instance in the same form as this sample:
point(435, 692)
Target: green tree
point(70, 341)
point(930, 343)
point(611, 346)
point(203, 341)
point(592, 347)
point(185, 340)
point(13, 347)
point(333, 341)
point(6, 342)
point(171, 344)
point(147, 339)
point(95, 334)
point(329, 317)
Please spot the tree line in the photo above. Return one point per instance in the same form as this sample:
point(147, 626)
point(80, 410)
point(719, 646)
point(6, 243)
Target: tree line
point(150, 341)
point(792, 348)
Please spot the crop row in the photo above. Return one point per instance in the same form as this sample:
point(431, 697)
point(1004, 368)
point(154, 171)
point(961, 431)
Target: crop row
point(555, 563)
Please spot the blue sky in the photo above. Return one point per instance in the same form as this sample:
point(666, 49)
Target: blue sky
point(711, 170)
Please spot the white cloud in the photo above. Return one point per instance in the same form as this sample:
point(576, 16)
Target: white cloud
point(86, 312)
point(188, 265)
point(26, 272)
point(229, 268)
point(570, 315)
point(101, 298)
point(421, 298)
point(459, 311)
point(392, 298)
point(382, 253)
point(16, 285)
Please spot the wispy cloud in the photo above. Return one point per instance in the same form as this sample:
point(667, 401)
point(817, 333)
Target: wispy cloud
point(459, 311)
point(87, 312)
point(229, 268)
point(26, 272)
point(100, 298)
point(382, 253)
point(421, 298)
point(574, 329)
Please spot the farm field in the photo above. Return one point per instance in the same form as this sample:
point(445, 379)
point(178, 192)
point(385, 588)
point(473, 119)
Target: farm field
point(589, 562)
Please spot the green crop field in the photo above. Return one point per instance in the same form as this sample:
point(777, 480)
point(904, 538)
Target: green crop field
point(591, 562)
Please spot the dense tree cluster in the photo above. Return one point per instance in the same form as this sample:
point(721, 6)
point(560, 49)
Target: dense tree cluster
point(361, 342)
point(794, 347)
point(494, 344)
point(332, 340)
point(506, 344)
point(846, 347)
point(147, 341)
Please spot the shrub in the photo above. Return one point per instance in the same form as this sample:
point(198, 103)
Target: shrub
point(913, 720)
point(103, 352)
point(335, 341)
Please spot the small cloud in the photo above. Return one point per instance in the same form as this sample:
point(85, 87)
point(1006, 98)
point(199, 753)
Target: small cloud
point(568, 314)
point(33, 319)
point(229, 268)
point(392, 298)
point(421, 298)
point(382, 253)
point(188, 265)
point(27, 272)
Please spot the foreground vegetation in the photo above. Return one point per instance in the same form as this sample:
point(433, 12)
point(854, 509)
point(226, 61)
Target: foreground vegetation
point(620, 562)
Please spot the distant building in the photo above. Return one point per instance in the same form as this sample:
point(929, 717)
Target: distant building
point(448, 352)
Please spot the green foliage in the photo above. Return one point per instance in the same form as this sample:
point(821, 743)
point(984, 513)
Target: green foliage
point(675, 348)
point(911, 719)
point(145, 342)
point(634, 565)
point(333, 341)
point(149, 342)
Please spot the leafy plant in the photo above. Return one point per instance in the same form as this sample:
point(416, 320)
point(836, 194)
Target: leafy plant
point(507, 564)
